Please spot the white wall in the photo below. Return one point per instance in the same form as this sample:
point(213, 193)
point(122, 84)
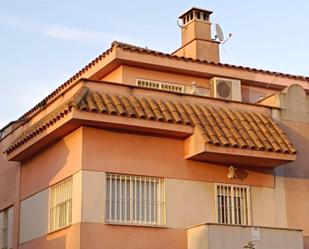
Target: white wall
point(215, 236)
point(34, 216)
point(189, 203)
point(93, 197)
point(10, 229)
point(77, 197)
point(268, 205)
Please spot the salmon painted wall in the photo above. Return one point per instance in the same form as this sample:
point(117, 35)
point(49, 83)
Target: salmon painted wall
point(155, 156)
point(53, 164)
point(115, 76)
point(252, 94)
point(97, 236)
point(9, 175)
point(128, 75)
point(68, 238)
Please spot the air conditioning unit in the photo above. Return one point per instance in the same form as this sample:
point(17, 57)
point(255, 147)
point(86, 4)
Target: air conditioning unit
point(223, 88)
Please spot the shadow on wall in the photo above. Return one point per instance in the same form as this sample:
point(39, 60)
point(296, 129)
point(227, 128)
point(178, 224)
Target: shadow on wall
point(52, 164)
point(299, 134)
point(53, 241)
point(306, 242)
point(41, 170)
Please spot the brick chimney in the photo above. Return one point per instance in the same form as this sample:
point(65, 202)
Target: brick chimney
point(196, 40)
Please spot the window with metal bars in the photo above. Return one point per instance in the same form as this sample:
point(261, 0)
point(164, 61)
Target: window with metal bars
point(135, 199)
point(232, 204)
point(4, 228)
point(60, 205)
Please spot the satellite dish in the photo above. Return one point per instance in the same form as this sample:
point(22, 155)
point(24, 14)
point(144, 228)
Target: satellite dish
point(219, 33)
point(179, 25)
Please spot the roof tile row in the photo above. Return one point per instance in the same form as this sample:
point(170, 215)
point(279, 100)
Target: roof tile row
point(218, 126)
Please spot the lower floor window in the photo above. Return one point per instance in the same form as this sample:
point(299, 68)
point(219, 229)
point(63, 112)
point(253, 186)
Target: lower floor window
point(135, 199)
point(60, 205)
point(233, 205)
point(6, 223)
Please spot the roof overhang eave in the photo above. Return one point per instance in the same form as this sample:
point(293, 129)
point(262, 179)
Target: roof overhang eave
point(78, 119)
point(199, 150)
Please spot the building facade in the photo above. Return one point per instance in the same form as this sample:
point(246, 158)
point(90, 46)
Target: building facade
point(142, 149)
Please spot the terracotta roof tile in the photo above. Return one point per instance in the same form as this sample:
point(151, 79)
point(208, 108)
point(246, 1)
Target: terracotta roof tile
point(221, 127)
point(176, 116)
point(218, 126)
point(40, 127)
point(147, 109)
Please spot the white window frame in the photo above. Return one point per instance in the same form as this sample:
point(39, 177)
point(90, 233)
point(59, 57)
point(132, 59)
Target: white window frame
point(248, 199)
point(4, 229)
point(60, 205)
point(132, 210)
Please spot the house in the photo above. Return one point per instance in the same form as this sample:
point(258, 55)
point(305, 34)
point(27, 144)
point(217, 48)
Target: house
point(142, 149)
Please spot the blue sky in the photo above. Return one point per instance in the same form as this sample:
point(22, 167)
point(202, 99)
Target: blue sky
point(44, 42)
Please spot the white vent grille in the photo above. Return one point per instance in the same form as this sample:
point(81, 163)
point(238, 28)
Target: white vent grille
point(153, 84)
point(60, 205)
point(135, 200)
point(233, 204)
point(228, 89)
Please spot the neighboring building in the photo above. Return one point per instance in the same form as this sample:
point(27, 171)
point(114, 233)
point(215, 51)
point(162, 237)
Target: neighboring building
point(142, 149)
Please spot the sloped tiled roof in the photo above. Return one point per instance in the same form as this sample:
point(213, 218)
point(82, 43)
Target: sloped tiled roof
point(218, 126)
point(130, 47)
point(40, 126)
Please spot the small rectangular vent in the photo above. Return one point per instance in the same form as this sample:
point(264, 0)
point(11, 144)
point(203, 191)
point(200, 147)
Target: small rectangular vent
point(165, 86)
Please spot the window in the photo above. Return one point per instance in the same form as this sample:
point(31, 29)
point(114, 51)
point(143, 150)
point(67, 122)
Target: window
point(6, 224)
point(60, 205)
point(5, 229)
point(135, 199)
point(232, 204)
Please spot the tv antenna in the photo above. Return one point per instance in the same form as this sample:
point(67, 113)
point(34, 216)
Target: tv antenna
point(220, 36)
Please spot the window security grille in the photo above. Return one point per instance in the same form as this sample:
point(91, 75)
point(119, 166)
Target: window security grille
point(4, 229)
point(135, 200)
point(233, 204)
point(60, 205)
